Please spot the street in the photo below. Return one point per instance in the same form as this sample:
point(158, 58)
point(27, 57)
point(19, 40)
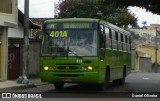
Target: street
point(141, 83)
point(135, 82)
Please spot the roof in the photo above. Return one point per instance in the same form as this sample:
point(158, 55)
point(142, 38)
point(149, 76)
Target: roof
point(39, 21)
point(37, 33)
point(31, 24)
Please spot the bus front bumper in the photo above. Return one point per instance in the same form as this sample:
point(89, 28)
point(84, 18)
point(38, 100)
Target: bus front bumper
point(77, 77)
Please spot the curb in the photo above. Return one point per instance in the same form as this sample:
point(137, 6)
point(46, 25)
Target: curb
point(17, 88)
point(41, 84)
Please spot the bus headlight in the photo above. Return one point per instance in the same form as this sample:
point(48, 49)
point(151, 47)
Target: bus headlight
point(48, 68)
point(90, 67)
point(87, 68)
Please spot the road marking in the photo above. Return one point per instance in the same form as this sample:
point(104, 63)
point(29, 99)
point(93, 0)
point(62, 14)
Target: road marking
point(146, 78)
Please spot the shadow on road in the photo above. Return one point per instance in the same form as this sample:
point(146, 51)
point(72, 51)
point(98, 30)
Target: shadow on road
point(88, 91)
point(89, 88)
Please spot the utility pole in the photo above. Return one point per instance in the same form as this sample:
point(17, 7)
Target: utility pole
point(25, 61)
point(156, 49)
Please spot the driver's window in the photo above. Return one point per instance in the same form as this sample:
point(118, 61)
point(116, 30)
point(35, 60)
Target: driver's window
point(102, 36)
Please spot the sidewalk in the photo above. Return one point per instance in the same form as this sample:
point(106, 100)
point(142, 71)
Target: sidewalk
point(11, 85)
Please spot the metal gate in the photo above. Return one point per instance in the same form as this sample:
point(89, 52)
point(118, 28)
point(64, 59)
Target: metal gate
point(145, 64)
point(13, 62)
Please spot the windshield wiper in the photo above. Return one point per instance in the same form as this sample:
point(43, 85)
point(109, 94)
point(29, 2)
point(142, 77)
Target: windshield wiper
point(71, 53)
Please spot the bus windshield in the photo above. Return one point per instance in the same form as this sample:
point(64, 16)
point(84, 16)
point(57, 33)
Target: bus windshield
point(70, 42)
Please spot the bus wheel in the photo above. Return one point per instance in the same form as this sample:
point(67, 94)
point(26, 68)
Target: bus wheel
point(58, 86)
point(105, 84)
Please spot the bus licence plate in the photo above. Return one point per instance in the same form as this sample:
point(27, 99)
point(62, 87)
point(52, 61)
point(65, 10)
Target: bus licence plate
point(67, 80)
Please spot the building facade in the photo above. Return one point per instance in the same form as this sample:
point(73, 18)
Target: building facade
point(8, 19)
point(154, 27)
point(143, 58)
point(15, 49)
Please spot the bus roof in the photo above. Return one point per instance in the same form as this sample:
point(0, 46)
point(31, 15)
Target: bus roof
point(89, 20)
point(73, 20)
point(116, 28)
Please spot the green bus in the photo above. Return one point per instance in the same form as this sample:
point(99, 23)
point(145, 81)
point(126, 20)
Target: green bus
point(84, 50)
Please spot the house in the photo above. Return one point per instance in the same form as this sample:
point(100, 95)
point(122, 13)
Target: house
point(15, 42)
point(143, 58)
point(8, 19)
point(37, 33)
point(153, 27)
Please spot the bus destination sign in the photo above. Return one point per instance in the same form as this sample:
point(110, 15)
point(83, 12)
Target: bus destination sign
point(68, 25)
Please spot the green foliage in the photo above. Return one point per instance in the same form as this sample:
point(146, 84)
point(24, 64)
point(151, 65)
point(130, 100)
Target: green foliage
point(77, 8)
point(87, 9)
point(153, 65)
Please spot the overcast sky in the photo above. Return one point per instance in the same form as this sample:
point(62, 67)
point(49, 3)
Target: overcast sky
point(45, 8)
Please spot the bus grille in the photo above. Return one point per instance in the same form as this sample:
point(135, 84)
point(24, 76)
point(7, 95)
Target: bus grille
point(67, 68)
point(68, 75)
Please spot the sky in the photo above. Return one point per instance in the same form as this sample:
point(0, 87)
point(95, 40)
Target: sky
point(45, 9)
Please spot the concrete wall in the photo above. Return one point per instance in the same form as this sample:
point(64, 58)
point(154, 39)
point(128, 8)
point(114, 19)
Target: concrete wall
point(150, 50)
point(142, 31)
point(34, 55)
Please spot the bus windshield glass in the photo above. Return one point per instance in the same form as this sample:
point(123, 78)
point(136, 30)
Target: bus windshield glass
point(70, 41)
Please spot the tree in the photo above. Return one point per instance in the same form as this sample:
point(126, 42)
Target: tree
point(144, 23)
point(149, 5)
point(87, 9)
point(77, 8)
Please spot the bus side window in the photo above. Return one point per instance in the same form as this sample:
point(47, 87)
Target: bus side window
point(129, 43)
point(108, 39)
point(126, 42)
point(114, 43)
point(116, 39)
point(122, 41)
point(119, 42)
point(110, 36)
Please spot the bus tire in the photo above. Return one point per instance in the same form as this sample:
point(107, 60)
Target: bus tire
point(105, 84)
point(58, 85)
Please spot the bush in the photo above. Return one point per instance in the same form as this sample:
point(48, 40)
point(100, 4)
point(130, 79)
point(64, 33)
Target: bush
point(153, 64)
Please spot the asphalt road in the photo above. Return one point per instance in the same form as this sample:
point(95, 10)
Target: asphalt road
point(135, 82)
point(141, 83)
